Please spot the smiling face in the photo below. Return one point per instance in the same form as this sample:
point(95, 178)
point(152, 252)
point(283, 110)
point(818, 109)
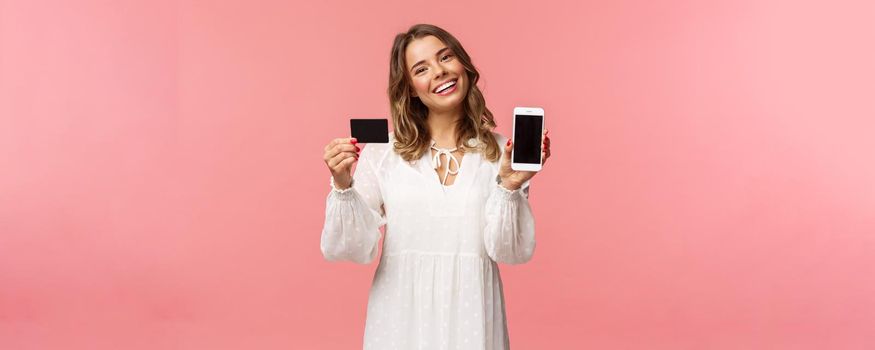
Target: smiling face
point(438, 78)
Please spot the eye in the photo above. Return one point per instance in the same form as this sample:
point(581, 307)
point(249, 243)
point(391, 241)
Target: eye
point(419, 70)
point(445, 56)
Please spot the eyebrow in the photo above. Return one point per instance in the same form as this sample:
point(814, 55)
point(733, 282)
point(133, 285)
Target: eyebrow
point(423, 61)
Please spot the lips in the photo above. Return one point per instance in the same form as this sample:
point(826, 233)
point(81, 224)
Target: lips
point(445, 85)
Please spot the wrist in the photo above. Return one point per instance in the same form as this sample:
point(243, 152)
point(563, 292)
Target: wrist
point(510, 186)
point(507, 184)
point(341, 184)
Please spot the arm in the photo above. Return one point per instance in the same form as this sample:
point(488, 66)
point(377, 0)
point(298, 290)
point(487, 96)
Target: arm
point(353, 215)
point(509, 236)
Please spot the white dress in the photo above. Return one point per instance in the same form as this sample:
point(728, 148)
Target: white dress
point(437, 285)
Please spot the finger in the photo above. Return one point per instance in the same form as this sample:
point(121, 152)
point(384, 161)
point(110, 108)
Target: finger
point(335, 142)
point(344, 167)
point(334, 161)
point(332, 143)
point(347, 147)
point(504, 163)
point(343, 147)
point(346, 140)
point(546, 147)
point(346, 163)
point(342, 140)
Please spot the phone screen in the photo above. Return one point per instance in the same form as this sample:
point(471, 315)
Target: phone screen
point(527, 138)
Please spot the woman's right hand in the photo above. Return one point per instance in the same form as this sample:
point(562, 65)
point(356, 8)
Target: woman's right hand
point(339, 156)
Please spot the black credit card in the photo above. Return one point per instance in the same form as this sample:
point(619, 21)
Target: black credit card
point(370, 130)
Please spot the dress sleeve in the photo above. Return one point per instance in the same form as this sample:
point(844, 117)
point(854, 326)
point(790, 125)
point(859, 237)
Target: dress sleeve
point(353, 216)
point(509, 235)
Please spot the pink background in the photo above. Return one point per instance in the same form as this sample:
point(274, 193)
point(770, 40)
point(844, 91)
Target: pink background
point(712, 184)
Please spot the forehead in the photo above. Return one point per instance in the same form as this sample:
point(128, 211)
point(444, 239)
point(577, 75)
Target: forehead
point(422, 49)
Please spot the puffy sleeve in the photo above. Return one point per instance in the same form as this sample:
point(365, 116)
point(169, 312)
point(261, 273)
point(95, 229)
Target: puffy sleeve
point(353, 216)
point(509, 234)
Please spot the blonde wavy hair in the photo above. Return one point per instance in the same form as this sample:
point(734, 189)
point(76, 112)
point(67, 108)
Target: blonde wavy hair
point(412, 137)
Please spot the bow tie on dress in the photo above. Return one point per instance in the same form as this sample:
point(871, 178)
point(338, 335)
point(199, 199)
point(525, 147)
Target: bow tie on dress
point(436, 160)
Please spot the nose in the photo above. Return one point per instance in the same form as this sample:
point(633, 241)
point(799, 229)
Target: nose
point(439, 72)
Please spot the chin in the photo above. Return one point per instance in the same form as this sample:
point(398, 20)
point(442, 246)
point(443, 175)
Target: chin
point(453, 102)
point(447, 105)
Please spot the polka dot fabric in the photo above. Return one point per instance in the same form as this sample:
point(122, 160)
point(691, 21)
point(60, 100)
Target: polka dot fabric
point(437, 285)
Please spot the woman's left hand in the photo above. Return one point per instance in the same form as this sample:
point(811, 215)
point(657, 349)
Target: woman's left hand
point(512, 179)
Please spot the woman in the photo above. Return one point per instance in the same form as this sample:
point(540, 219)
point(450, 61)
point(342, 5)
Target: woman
point(451, 205)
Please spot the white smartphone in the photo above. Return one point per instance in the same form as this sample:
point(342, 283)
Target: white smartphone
point(528, 125)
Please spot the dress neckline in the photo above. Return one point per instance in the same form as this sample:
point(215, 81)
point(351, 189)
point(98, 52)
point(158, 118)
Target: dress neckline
point(447, 153)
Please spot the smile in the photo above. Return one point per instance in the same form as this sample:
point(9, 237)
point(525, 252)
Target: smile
point(446, 88)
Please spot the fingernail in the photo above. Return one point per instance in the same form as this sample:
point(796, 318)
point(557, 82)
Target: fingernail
point(354, 141)
point(508, 142)
point(357, 149)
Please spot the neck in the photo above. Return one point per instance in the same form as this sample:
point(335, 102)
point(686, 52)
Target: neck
point(442, 127)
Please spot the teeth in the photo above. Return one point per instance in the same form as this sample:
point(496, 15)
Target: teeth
point(445, 86)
